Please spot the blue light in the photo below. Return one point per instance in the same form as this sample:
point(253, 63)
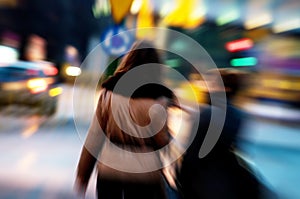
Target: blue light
point(116, 40)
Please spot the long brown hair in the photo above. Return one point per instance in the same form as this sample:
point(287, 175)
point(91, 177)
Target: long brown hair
point(141, 52)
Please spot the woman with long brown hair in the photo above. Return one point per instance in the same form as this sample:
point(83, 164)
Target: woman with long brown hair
point(126, 129)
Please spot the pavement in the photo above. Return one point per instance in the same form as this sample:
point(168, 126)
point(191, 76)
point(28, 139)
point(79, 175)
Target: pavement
point(38, 155)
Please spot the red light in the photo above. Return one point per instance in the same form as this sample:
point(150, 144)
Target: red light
point(50, 70)
point(32, 72)
point(238, 45)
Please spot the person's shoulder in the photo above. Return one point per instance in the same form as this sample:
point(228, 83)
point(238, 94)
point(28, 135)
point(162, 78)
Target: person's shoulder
point(153, 91)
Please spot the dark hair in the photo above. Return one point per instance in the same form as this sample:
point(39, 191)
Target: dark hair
point(141, 52)
point(232, 79)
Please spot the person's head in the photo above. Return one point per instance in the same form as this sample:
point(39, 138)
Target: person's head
point(141, 52)
point(144, 55)
point(225, 79)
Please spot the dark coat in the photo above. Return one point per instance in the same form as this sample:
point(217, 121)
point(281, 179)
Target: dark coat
point(219, 174)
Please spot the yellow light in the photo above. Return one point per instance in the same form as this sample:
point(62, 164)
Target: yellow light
point(73, 71)
point(55, 91)
point(120, 9)
point(136, 6)
point(145, 20)
point(37, 85)
point(187, 14)
point(189, 92)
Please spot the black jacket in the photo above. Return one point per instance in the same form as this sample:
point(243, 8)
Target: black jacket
point(219, 175)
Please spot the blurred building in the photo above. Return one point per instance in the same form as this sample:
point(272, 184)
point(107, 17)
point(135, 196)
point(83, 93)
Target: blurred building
point(57, 23)
point(235, 33)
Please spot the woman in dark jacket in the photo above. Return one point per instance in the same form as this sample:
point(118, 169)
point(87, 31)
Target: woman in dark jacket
point(124, 133)
point(218, 175)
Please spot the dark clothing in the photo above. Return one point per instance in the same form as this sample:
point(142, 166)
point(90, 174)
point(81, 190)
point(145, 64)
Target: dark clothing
point(115, 189)
point(219, 174)
point(150, 90)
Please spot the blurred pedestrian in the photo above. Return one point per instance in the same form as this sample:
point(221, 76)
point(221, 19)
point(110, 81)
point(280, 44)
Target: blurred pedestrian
point(221, 173)
point(114, 115)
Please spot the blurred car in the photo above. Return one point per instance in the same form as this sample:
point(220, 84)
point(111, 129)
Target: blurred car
point(30, 84)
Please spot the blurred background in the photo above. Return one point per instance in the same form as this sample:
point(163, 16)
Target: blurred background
point(43, 45)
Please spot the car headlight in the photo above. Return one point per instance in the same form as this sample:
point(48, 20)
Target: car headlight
point(73, 71)
point(37, 85)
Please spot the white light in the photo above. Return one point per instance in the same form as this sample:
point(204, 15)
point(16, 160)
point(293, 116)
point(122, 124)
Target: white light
point(8, 54)
point(73, 71)
point(136, 6)
point(258, 21)
point(227, 17)
point(286, 26)
point(166, 9)
point(198, 13)
point(108, 38)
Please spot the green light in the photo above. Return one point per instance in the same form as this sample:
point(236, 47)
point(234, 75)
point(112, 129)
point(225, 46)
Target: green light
point(227, 18)
point(246, 61)
point(173, 63)
point(101, 8)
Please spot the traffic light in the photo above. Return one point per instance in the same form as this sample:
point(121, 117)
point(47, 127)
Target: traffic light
point(239, 45)
point(239, 49)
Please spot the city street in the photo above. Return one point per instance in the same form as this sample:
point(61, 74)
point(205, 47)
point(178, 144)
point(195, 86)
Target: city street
point(55, 54)
point(273, 149)
point(38, 155)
